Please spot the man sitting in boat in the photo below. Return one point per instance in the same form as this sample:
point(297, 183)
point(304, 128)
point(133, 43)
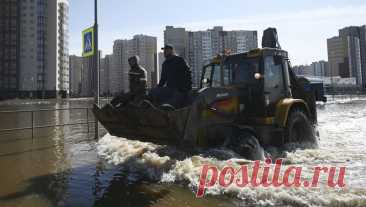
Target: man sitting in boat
point(175, 82)
point(137, 84)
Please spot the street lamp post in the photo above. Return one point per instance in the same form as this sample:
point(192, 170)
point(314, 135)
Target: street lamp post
point(96, 64)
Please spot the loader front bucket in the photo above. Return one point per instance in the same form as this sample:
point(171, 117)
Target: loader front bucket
point(147, 124)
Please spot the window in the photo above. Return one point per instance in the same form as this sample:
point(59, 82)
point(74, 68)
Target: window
point(273, 74)
point(241, 71)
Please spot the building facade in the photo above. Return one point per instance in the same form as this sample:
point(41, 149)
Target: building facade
point(347, 54)
point(320, 68)
point(9, 48)
point(176, 36)
point(201, 46)
point(316, 69)
point(146, 48)
point(105, 68)
point(76, 69)
point(87, 77)
point(122, 50)
point(40, 35)
point(161, 60)
point(363, 53)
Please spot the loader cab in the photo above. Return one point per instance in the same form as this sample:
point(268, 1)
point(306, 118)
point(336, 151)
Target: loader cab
point(260, 77)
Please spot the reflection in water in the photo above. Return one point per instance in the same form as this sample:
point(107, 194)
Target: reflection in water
point(65, 166)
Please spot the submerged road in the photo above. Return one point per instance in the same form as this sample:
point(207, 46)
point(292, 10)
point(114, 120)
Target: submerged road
point(66, 167)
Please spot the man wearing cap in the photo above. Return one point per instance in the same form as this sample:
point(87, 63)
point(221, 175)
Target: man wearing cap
point(176, 79)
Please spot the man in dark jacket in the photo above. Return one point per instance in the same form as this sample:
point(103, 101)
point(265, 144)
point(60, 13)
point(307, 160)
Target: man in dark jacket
point(175, 82)
point(175, 73)
point(138, 84)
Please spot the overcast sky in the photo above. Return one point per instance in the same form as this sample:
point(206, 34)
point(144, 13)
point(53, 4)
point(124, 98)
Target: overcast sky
point(303, 25)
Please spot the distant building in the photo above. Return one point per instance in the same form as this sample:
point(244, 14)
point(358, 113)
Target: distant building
point(303, 70)
point(161, 60)
point(76, 69)
point(347, 54)
point(363, 53)
point(35, 43)
point(240, 41)
point(122, 50)
point(176, 37)
point(320, 68)
point(316, 69)
point(105, 68)
point(87, 77)
point(337, 57)
point(200, 53)
point(146, 48)
point(199, 47)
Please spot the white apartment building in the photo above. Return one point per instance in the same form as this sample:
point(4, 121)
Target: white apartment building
point(146, 48)
point(202, 46)
point(119, 69)
point(44, 58)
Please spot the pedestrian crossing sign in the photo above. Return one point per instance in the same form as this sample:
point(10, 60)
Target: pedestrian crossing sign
point(88, 42)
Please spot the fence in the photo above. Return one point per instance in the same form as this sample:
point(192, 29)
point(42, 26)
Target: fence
point(32, 119)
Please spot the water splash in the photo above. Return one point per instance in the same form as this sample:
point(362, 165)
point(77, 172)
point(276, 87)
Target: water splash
point(342, 143)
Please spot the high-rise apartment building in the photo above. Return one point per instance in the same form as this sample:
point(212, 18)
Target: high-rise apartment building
point(161, 60)
point(202, 52)
point(363, 53)
point(122, 50)
point(146, 48)
point(336, 57)
point(201, 46)
point(176, 36)
point(347, 54)
point(105, 68)
point(9, 48)
point(316, 69)
point(76, 69)
point(87, 77)
point(320, 68)
point(38, 32)
point(82, 76)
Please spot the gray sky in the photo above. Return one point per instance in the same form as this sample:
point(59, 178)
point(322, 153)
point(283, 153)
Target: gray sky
point(303, 25)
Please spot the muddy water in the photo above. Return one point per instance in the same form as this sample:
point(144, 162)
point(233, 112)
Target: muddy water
point(66, 167)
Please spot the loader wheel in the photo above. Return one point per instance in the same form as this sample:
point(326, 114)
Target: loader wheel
point(298, 128)
point(247, 145)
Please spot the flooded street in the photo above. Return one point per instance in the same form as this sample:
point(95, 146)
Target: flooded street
point(65, 166)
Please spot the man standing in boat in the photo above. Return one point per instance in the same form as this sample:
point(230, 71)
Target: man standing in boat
point(175, 82)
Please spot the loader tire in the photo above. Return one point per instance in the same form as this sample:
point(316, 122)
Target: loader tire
point(247, 146)
point(299, 128)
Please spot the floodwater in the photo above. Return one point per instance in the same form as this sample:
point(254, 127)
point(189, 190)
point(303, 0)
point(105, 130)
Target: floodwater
point(65, 166)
